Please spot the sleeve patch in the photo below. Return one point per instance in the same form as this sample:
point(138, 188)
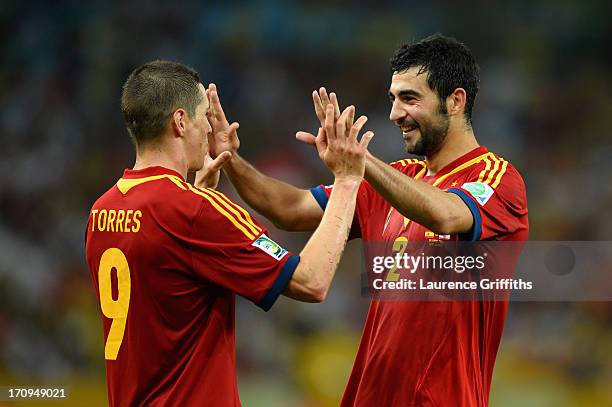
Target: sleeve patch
point(270, 247)
point(479, 190)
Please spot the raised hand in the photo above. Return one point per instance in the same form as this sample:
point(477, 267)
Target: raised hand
point(223, 136)
point(337, 143)
point(320, 100)
point(208, 175)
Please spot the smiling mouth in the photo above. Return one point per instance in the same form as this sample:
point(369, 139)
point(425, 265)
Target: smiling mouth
point(407, 130)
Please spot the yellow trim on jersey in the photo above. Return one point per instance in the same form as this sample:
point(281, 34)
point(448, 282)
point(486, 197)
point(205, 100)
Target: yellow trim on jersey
point(240, 213)
point(461, 167)
point(206, 196)
point(488, 174)
point(125, 184)
point(178, 182)
point(493, 171)
point(408, 161)
point(486, 168)
point(500, 175)
point(240, 208)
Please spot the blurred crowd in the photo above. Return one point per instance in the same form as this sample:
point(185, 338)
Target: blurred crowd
point(545, 104)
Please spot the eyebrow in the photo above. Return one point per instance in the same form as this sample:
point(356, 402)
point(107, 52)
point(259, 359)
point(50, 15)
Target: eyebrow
point(406, 92)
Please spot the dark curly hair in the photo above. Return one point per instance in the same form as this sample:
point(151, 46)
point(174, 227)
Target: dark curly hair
point(449, 65)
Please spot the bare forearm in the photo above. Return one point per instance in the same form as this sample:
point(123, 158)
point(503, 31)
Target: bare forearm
point(320, 257)
point(427, 205)
point(281, 203)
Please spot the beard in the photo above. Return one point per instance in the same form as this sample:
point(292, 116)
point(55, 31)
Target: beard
point(433, 135)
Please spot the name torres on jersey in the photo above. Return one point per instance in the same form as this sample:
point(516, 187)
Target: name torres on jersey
point(116, 220)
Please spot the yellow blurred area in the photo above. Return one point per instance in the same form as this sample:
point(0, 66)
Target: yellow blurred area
point(518, 381)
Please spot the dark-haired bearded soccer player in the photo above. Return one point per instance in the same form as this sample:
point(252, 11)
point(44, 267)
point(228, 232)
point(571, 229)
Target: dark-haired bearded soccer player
point(167, 257)
point(417, 353)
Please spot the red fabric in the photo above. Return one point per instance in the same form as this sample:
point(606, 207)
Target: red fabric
point(416, 353)
point(185, 263)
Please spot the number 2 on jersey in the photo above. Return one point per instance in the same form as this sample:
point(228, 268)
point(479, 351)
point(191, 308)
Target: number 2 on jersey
point(399, 247)
point(117, 310)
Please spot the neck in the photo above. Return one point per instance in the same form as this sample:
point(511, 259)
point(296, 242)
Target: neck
point(161, 156)
point(457, 144)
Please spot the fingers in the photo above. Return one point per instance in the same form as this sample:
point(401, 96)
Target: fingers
point(305, 137)
point(333, 98)
point(221, 159)
point(321, 141)
point(330, 129)
point(324, 97)
point(356, 128)
point(320, 100)
point(350, 118)
point(342, 120)
point(233, 127)
point(318, 106)
point(215, 103)
point(365, 140)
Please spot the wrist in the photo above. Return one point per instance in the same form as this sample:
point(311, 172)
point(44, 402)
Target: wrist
point(349, 180)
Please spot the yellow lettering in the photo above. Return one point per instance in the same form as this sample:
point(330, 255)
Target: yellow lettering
point(102, 223)
point(116, 220)
point(111, 220)
point(128, 220)
point(137, 216)
point(93, 219)
point(120, 217)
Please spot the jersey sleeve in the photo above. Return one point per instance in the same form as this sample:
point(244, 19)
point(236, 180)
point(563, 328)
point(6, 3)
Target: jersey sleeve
point(498, 203)
point(232, 250)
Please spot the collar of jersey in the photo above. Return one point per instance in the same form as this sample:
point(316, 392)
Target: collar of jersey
point(132, 178)
point(475, 155)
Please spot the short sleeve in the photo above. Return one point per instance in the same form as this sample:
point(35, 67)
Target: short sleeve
point(230, 249)
point(498, 205)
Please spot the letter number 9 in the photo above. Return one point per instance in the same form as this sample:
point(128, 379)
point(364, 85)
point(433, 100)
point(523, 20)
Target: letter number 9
point(117, 310)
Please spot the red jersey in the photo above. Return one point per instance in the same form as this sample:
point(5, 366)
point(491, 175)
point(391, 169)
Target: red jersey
point(417, 353)
point(166, 259)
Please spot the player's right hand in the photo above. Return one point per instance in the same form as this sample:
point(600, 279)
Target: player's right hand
point(208, 175)
point(224, 136)
point(320, 100)
point(337, 143)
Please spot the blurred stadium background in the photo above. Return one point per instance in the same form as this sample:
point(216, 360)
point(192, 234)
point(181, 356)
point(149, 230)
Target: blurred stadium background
point(545, 104)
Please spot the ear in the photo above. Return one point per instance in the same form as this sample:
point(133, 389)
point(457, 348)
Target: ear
point(455, 102)
point(178, 122)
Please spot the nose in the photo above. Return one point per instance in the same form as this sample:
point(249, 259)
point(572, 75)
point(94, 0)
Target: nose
point(397, 112)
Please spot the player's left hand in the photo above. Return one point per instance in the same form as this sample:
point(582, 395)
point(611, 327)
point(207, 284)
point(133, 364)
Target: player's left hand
point(224, 136)
point(208, 176)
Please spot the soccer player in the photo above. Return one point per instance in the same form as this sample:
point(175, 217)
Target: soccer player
point(167, 257)
point(415, 353)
